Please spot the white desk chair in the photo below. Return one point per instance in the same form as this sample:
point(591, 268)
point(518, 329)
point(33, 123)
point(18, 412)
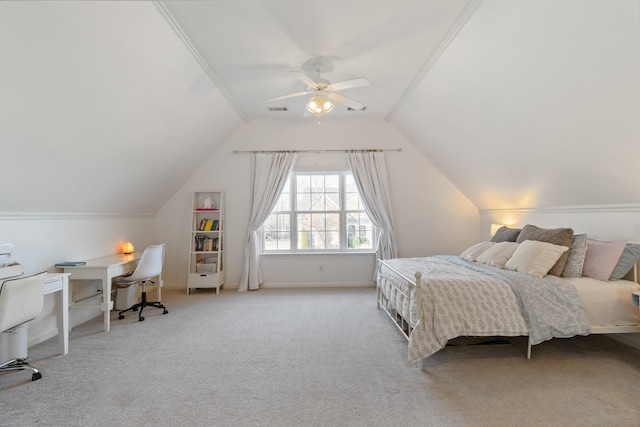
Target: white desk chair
point(149, 266)
point(21, 300)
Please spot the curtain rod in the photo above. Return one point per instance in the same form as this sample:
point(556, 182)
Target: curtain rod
point(314, 151)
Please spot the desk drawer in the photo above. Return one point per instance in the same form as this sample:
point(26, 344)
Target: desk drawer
point(52, 284)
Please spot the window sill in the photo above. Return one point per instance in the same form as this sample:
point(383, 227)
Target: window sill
point(364, 254)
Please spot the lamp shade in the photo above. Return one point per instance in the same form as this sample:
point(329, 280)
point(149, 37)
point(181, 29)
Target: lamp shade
point(319, 105)
point(127, 248)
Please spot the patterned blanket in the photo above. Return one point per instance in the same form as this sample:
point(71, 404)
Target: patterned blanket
point(458, 298)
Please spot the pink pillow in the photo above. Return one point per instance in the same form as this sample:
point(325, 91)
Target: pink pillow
point(601, 258)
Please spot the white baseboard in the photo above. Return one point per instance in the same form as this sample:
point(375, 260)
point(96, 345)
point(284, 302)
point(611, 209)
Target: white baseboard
point(290, 285)
point(318, 285)
point(37, 339)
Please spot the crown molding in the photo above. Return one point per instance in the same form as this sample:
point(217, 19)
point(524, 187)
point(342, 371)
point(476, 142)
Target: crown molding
point(18, 216)
point(620, 208)
point(455, 29)
point(177, 29)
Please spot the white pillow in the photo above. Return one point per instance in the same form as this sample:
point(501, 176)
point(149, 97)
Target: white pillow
point(535, 258)
point(472, 253)
point(498, 254)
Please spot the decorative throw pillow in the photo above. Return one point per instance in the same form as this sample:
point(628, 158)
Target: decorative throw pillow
point(556, 236)
point(498, 254)
point(505, 234)
point(601, 258)
point(472, 253)
point(575, 259)
point(535, 258)
point(629, 258)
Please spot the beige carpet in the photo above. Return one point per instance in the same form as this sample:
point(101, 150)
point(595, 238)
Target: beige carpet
point(322, 357)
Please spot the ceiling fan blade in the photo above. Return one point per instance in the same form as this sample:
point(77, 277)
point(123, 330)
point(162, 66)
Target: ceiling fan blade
point(345, 101)
point(348, 84)
point(278, 98)
point(305, 79)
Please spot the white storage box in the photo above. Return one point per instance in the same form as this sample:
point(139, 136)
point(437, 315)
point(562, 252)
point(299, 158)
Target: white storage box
point(14, 343)
point(206, 268)
point(126, 296)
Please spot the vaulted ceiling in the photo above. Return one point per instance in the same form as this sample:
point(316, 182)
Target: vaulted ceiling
point(519, 103)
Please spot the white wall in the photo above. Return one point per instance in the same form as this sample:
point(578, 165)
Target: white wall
point(431, 216)
point(614, 222)
point(41, 240)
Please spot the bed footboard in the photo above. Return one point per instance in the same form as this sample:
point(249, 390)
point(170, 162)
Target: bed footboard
point(396, 295)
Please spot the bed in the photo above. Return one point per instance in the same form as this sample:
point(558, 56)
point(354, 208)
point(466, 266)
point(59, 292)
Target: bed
point(435, 299)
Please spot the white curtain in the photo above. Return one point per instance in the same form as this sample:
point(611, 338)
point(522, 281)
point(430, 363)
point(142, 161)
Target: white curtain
point(370, 175)
point(269, 172)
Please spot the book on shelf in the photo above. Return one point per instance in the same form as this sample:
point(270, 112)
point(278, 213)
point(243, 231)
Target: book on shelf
point(209, 225)
point(70, 264)
point(205, 244)
point(216, 225)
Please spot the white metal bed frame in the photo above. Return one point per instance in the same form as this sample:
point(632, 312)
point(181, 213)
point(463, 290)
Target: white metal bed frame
point(404, 325)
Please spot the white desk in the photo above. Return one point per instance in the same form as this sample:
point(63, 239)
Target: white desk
point(59, 283)
point(105, 269)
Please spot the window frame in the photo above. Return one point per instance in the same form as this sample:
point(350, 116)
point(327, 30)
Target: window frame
point(343, 215)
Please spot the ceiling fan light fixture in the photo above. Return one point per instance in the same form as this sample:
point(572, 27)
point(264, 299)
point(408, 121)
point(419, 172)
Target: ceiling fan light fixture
point(319, 105)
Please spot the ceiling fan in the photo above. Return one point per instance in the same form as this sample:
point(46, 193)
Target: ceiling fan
point(323, 92)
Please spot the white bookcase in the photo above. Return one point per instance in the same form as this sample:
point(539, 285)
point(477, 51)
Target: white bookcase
point(206, 241)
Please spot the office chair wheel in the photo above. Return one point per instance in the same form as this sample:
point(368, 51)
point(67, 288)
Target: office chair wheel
point(121, 316)
point(165, 311)
point(140, 319)
point(36, 376)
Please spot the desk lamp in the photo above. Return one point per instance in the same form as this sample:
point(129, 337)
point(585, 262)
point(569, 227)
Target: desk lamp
point(127, 248)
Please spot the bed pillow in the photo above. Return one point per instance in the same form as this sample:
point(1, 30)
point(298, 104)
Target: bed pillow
point(535, 258)
point(575, 259)
point(505, 234)
point(474, 251)
point(601, 258)
point(556, 236)
point(498, 254)
point(629, 258)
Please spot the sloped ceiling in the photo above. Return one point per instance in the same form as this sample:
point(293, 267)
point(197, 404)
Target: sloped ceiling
point(536, 104)
point(102, 109)
point(519, 103)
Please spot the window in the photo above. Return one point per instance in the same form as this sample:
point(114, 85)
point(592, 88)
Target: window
point(318, 212)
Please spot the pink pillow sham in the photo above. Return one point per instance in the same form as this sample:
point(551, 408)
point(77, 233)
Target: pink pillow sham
point(601, 258)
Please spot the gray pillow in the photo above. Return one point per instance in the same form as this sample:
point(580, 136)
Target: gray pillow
point(505, 234)
point(575, 260)
point(556, 236)
point(628, 259)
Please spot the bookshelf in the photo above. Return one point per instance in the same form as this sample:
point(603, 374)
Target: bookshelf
point(206, 237)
